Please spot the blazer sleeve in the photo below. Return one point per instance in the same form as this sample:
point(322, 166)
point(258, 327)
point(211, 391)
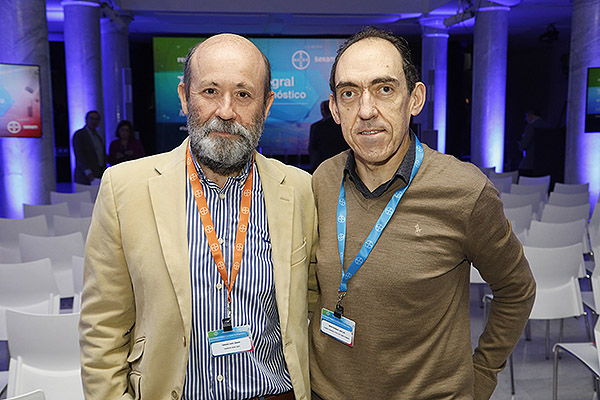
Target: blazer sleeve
point(496, 252)
point(108, 310)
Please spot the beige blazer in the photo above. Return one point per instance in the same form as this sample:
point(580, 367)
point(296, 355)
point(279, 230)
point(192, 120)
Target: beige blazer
point(136, 302)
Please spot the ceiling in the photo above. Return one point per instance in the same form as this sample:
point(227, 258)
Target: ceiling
point(528, 19)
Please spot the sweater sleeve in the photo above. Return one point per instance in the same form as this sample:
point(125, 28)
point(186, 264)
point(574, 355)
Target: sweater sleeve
point(496, 252)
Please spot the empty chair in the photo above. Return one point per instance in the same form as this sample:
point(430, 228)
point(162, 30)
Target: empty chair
point(527, 189)
point(29, 286)
point(48, 210)
point(502, 183)
point(594, 225)
point(487, 170)
point(35, 395)
point(511, 200)
point(93, 189)
point(66, 225)
point(571, 187)
point(559, 214)
point(60, 250)
point(537, 180)
point(9, 235)
point(86, 208)
point(514, 175)
point(568, 199)
point(44, 354)
point(558, 295)
point(72, 200)
point(520, 217)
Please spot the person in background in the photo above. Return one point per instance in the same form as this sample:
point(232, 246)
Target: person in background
point(527, 142)
point(196, 263)
point(126, 147)
point(90, 153)
point(399, 226)
point(326, 139)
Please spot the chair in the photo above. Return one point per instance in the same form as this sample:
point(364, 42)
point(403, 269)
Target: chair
point(72, 200)
point(66, 225)
point(514, 175)
point(568, 199)
point(558, 295)
point(60, 250)
point(520, 218)
point(86, 209)
point(9, 235)
point(571, 187)
point(44, 351)
point(502, 183)
point(559, 214)
point(594, 225)
point(29, 286)
point(77, 281)
point(35, 395)
point(48, 210)
point(527, 189)
point(487, 170)
point(93, 189)
point(538, 180)
point(511, 200)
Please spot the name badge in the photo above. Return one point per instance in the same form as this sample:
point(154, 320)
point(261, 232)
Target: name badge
point(238, 340)
point(341, 329)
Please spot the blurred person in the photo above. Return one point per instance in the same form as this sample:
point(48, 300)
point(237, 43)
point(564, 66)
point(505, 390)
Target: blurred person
point(527, 142)
point(90, 153)
point(326, 139)
point(126, 147)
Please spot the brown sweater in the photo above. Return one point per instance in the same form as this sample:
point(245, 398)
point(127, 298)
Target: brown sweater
point(410, 299)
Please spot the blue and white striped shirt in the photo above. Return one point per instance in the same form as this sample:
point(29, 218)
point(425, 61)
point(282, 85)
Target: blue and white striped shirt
point(261, 371)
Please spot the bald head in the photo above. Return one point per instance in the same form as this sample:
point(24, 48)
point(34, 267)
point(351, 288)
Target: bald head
point(235, 47)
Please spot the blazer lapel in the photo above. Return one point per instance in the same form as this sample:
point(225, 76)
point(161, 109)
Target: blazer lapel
point(167, 194)
point(279, 202)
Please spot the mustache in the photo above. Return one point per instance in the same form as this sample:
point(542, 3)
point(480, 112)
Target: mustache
point(218, 125)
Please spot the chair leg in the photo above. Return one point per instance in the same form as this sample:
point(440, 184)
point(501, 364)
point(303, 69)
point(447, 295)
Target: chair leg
point(547, 339)
point(588, 329)
point(561, 331)
point(555, 375)
point(528, 331)
point(512, 374)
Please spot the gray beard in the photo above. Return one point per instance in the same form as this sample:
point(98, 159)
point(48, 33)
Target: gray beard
point(225, 156)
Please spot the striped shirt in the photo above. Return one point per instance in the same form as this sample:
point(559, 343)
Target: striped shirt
point(261, 371)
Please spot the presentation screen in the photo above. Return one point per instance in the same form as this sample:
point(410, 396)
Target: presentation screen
point(20, 111)
point(299, 77)
point(592, 114)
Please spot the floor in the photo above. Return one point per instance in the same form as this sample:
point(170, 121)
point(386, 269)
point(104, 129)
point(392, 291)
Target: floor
point(533, 373)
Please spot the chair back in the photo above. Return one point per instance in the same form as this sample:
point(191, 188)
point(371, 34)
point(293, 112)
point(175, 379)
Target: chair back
point(35, 395)
point(77, 262)
point(555, 271)
point(594, 225)
point(44, 351)
point(72, 200)
point(29, 286)
point(93, 189)
point(476, 276)
point(527, 189)
point(86, 209)
point(560, 214)
point(520, 217)
point(568, 199)
point(571, 187)
point(538, 180)
point(487, 170)
point(549, 234)
point(511, 200)
point(60, 250)
point(66, 225)
point(9, 235)
point(514, 175)
point(48, 210)
point(502, 183)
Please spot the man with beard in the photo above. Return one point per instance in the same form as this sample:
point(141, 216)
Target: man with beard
point(197, 260)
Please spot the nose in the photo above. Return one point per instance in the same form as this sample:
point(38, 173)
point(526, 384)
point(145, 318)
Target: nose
point(367, 109)
point(225, 110)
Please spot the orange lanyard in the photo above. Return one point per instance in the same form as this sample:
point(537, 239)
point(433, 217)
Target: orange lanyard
point(209, 229)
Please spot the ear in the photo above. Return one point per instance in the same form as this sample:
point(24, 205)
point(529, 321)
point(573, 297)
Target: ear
point(334, 109)
point(269, 103)
point(182, 97)
point(417, 98)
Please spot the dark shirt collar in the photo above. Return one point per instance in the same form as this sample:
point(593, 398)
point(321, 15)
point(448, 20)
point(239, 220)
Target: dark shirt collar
point(403, 172)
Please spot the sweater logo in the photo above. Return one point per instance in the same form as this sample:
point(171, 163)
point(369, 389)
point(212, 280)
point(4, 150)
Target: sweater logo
point(418, 229)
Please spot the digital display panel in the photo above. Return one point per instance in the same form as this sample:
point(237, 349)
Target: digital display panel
point(20, 110)
point(299, 77)
point(592, 113)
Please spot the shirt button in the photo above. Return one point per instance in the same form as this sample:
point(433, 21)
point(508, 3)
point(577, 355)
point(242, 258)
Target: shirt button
point(219, 286)
point(220, 378)
point(174, 395)
point(221, 196)
point(221, 241)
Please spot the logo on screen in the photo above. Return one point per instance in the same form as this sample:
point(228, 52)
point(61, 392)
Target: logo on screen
point(13, 127)
point(300, 60)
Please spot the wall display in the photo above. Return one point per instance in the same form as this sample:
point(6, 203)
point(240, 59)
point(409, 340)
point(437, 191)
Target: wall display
point(592, 113)
point(20, 109)
point(299, 77)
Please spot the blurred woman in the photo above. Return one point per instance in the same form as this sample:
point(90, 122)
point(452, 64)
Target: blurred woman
point(125, 147)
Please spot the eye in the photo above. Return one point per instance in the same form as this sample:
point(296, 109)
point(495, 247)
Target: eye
point(244, 94)
point(210, 91)
point(347, 94)
point(386, 89)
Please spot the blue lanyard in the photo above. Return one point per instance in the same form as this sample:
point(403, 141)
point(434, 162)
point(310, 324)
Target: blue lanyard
point(382, 222)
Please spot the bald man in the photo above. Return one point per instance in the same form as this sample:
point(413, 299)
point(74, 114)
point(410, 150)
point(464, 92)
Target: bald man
point(197, 260)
